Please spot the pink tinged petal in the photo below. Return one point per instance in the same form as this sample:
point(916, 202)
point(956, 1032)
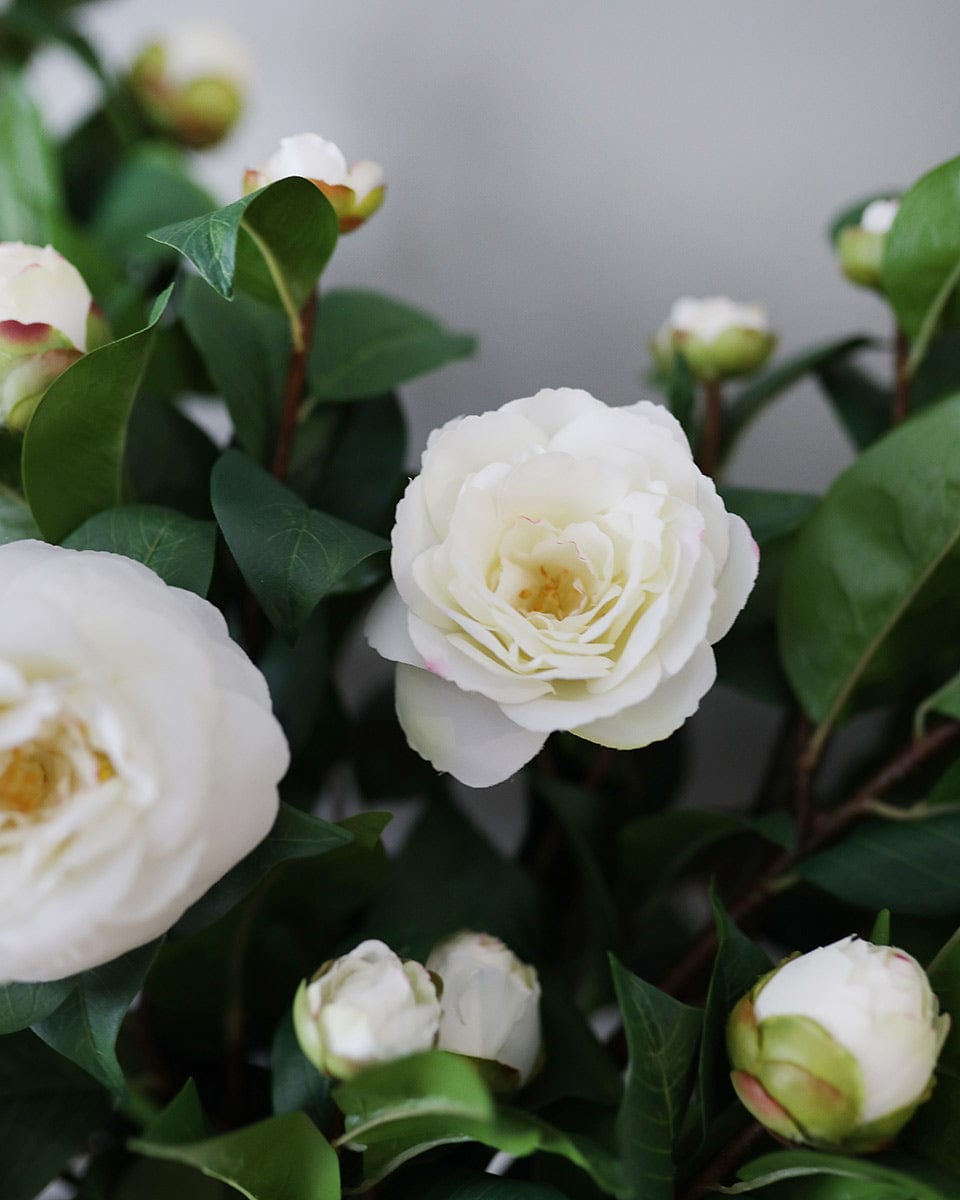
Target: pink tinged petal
point(18, 334)
point(735, 580)
point(386, 629)
point(663, 712)
point(460, 732)
point(481, 674)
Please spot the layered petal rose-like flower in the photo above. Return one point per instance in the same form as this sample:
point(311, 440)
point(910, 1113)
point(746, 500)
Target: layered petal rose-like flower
point(139, 757)
point(355, 192)
point(47, 322)
point(557, 564)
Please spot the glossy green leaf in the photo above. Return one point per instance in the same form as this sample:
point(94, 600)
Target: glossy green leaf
point(23, 1004)
point(178, 548)
point(366, 344)
point(799, 1164)
point(31, 204)
point(770, 515)
point(245, 347)
point(662, 1038)
point(909, 866)
point(754, 398)
point(182, 1120)
point(294, 835)
point(922, 252)
point(85, 1026)
point(467, 1185)
point(861, 404)
point(74, 445)
point(290, 555)
point(869, 592)
point(48, 1108)
point(944, 975)
point(932, 1133)
point(282, 1158)
point(945, 700)
point(295, 1083)
point(272, 244)
point(168, 458)
point(16, 521)
point(737, 966)
point(682, 393)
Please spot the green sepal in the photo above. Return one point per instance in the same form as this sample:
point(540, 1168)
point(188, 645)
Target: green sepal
point(743, 1036)
point(860, 252)
point(760, 1104)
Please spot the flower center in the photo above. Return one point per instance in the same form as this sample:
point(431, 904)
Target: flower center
point(555, 591)
point(39, 775)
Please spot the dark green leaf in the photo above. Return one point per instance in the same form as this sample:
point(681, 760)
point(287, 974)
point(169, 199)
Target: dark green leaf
point(22, 1004)
point(290, 555)
point(932, 1133)
point(182, 1120)
point(294, 835)
point(245, 347)
point(662, 1039)
point(168, 458)
point(178, 548)
point(737, 966)
point(682, 393)
point(73, 448)
point(466, 1185)
point(797, 1164)
point(947, 788)
point(944, 974)
point(31, 205)
point(880, 933)
point(869, 592)
point(945, 700)
point(770, 515)
point(295, 1083)
point(755, 397)
point(861, 404)
point(939, 373)
point(922, 252)
point(366, 344)
point(16, 523)
point(85, 1026)
point(273, 243)
point(282, 1158)
point(48, 1108)
point(909, 866)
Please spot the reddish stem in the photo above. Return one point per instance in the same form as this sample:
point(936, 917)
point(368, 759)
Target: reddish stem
point(293, 392)
point(900, 408)
point(712, 435)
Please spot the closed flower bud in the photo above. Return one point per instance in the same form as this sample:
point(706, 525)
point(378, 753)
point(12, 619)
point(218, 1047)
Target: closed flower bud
point(367, 1007)
point(836, 1048)
point(190, 84)
point(46, 323)
point(860, 247)
point(355, 192)
point(490, 1002)
point(718, 338)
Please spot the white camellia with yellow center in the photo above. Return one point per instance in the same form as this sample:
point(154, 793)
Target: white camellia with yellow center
point(355, 192)
point(139, 757)
point(557, 564)
point(490, 1002)
point(366, 1007)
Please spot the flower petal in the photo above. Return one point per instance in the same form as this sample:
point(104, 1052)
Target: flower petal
point(736, 580)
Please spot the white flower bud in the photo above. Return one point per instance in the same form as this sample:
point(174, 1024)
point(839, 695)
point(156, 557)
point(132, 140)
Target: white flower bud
point(718, 337)
point(490, 1002)
point(878, 216)
point(368, 1006)
point(860, 1030)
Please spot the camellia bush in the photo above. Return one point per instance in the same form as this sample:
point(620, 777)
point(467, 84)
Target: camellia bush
point(208, 989)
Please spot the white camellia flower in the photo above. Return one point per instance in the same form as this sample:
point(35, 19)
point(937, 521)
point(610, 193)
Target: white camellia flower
point(557, 564)
point(837, 1047)
point(45, 317)
point(355, 192)
point(490, 1002)
point(139, 757)
point(368, 1006)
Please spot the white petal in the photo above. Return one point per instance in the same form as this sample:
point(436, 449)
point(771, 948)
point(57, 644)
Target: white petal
point(553, 408)
point(461, 732)
point(735, 580)
point(664, 711)
point(386, 629)
point(363, 177)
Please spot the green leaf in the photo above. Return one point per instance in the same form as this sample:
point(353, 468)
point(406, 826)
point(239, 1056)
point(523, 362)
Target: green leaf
point(945, 700)
point(662, 1039)
point(294, 835)
point(469, 1185)
point(861, 404)
point(74, 445)
point(182, 1120)
point(295, 1083)
point(366, 344)
point(770, 515)
point(947, 787)
point(282, 1158)
point(178, 548)
point(682, 393)
point(944, 976)
point(798, 1164)
point(245, 347)
point(272, 244)
point(880, 933)
point(851, 213)
point(738, 965)
point(168, 458)
point(16, 522)
point(85, 1026)
point(290, 555)
point(932, 1132)
point(48, 1108)
point(22, 1004)
point(754, 398)
point(909, 866)
point(31, 204)
point(868, 597)
point(922, 252)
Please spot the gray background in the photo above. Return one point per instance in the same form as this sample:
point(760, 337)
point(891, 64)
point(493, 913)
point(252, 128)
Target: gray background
point(560, 170)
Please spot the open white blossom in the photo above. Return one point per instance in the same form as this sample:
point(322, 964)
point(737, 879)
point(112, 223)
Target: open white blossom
point(557, 564)
point(139, 757)
point(490, 1003)
point(367, 1006)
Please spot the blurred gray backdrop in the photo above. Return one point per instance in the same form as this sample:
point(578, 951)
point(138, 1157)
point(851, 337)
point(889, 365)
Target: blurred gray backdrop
point(560, 170)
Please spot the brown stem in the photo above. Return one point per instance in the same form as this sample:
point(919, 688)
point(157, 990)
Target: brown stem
point(825, 829)
point(293, 392)
point(900, 408)
point(803, 774)
point(712, 435)
point(730, 1157)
